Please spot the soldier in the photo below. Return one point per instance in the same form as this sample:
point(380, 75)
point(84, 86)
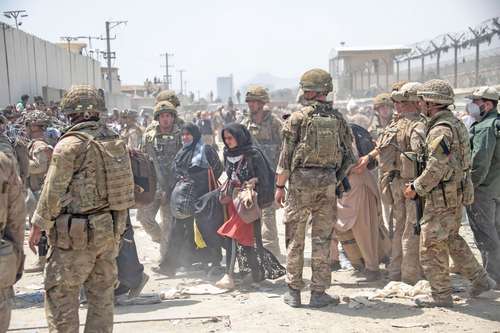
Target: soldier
point(484, 213)
point(315, 156)
point(39, 153)
point(441, 183)
point(132, 132)
point(265, 129)
point(83, 208)
point(162, 140)
point(383, 112)
point(12, 218)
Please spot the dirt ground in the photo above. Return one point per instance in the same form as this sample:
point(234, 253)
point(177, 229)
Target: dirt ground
point(259, 308)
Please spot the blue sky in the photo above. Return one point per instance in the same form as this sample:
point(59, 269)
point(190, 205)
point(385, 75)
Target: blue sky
point(219, 37)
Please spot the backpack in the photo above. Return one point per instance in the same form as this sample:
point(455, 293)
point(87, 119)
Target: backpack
point(144, 178)
point(117, 165)
point(364, 142)
point(319, 144)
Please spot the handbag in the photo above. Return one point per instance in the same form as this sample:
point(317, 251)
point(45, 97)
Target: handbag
point(246, 203)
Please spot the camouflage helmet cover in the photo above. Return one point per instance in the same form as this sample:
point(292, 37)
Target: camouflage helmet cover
point(257, 93)
point(317, 80)
point(407, 92)
point(382, 99)
point(81, 99)
point(37, 118)
point(169, 96)
point(163, 107)
point(437, 91)
point(397, 85)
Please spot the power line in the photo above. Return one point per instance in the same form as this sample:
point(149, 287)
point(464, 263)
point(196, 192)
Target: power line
point(110, 55)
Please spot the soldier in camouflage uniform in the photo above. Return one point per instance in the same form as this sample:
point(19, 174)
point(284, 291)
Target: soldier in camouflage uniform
point(40, 153)
point(442, 184)
point(383, 111)
point(315, 156)
point(132, 132)
point(265, 129)
point(12, 218)
point(162, 140)
point(83, 208)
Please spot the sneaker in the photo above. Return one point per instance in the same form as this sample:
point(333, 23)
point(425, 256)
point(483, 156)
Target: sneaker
point(227, 282)
point(431, 302)
point(37, 267)
point(321, 299)
point(292, 298)
point(484, 286)
point(134, 292)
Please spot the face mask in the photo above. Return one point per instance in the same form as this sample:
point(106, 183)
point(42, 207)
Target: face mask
point(482, 109)
point(474, 110)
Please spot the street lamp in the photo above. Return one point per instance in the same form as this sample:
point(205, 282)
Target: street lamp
point(15, 14)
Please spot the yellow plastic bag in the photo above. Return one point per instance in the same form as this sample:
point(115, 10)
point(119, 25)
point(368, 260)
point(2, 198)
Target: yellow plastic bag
point(198, 238)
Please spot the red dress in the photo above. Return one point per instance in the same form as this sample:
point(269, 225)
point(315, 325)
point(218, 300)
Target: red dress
point(236, 229)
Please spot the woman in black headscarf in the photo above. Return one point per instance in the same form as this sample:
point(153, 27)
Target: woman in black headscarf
point(245, 162)
point(191, 167)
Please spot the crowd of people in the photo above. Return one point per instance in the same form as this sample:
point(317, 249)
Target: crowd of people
point(387, 188)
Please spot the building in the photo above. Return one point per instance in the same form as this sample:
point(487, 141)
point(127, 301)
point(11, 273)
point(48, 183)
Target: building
point(225, 88)
point(363, 72)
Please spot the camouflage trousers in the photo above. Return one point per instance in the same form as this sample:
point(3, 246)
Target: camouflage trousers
point(439, 239)
point(158, 232)
point(411, 270)
point(399, 221)
point(5, 308)
point(66, 272)
point(270, 231)
point(318, 205)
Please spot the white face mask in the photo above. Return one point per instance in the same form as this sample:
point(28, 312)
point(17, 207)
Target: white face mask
point(473, 110)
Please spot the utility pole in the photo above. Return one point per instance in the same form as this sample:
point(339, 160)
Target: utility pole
point(68, 39)
point(14, 14)
point(167, 76)
point(180, 73)
point(110, 55)
point(4, 27)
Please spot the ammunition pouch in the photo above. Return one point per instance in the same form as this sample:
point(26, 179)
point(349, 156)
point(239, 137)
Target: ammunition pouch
point(408, 165)
point(77, 232)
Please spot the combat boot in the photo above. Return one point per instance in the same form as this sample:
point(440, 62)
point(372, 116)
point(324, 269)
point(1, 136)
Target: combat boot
point(37, 267)
point(371, 276)
point(320, 299)
point(483, 286)
point(292, 298)
point(431, 302)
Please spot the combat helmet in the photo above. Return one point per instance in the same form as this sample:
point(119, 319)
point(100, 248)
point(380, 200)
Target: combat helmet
point(83, 99)
point(437, 91)
point(169, 96)
point(163, 107)
point(257, 93)
point(37, 118)
point(383, 99)
point(316, 80)
point(407, 92)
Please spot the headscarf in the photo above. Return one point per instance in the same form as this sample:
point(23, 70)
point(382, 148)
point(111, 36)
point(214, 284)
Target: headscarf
point(242, 136)
point(191, 154)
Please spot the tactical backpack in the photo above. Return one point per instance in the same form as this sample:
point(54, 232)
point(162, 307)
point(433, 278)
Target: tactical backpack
point(319, 144)
point(117, 165)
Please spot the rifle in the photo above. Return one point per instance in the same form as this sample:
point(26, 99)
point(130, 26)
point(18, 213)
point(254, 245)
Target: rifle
point(418, 199)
